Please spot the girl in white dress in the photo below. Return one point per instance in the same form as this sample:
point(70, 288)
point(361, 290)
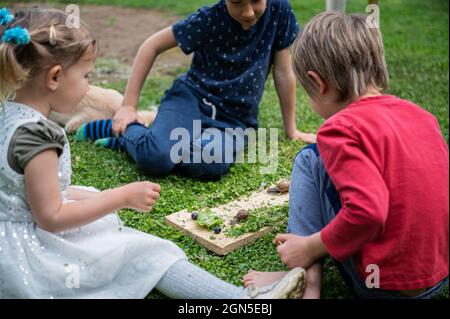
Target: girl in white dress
point(60, 241)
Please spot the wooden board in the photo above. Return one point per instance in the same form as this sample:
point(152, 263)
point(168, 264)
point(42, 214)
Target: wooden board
point(220, 243)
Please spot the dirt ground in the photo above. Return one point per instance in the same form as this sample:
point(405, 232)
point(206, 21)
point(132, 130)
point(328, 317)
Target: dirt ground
point(121, 31)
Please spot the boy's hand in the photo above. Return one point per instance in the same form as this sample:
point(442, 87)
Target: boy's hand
point(308, 138)
point(298, 251)
point(124, 116)
point(141, 196)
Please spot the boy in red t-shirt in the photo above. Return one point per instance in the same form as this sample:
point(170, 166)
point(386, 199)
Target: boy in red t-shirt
point(374, 192)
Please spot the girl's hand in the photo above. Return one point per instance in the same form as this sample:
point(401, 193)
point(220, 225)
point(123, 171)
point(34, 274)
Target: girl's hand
point(141, 196)
point(124, 116)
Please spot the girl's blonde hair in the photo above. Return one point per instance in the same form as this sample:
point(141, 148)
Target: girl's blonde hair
point(344, 51)
point(51, 43)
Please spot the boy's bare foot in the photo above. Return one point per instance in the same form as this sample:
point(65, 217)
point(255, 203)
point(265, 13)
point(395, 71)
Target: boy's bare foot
point(291, 285)
point(311, 292)
point(313, 280)
point(261, 279)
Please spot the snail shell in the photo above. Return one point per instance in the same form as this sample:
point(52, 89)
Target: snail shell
point(283, 186)
point(242, 214)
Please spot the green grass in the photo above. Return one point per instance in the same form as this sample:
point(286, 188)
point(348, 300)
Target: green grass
point(416, 40)
point(415, 34)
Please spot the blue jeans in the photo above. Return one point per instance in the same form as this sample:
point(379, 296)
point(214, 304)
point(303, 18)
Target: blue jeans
point(313, 204)
point(180, 107)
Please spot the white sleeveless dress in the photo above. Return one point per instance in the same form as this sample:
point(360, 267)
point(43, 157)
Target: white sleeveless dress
point(100, 260)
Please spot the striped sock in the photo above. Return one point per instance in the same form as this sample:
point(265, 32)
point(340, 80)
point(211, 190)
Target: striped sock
point(110, 142)
point(95, 130)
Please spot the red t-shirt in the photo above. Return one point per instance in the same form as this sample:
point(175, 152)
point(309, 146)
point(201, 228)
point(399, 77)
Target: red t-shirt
point(390, 164)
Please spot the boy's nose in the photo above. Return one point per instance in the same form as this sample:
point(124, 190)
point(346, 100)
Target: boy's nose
point(248, 12)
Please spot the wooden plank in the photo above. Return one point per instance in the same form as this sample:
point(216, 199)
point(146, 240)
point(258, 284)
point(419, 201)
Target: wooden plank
point(220, 243)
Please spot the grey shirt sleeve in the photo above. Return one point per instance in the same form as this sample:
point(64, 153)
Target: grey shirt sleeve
point(31, 139)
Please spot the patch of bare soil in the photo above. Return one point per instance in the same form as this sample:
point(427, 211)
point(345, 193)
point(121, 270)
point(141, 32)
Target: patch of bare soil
point(121, 31)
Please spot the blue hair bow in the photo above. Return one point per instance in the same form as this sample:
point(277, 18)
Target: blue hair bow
point(17, 35)
point(5, 16)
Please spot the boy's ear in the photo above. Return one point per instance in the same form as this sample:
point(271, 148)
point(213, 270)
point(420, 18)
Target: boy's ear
point(53, 79)
point(321, 85)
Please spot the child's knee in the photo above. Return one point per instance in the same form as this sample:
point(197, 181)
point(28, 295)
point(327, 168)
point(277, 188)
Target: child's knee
point(215, 171)
point(156, 164)
point(202, 171)
point(307, 157)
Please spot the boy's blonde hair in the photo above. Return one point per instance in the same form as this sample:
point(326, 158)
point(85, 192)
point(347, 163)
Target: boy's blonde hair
point(344, 52)
point(51, 43)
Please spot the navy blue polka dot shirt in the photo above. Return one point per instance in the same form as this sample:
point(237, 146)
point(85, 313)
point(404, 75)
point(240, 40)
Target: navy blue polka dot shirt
point(230, 64)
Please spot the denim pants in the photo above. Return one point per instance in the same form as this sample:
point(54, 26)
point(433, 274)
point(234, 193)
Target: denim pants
point(313, 204)
point(182, 110)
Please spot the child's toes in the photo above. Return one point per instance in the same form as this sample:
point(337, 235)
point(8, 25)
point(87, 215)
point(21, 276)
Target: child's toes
point(247, 279)
point(247, 282)
point(248, 275)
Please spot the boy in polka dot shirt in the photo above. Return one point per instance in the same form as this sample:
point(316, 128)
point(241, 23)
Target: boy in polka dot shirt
point(235, 43)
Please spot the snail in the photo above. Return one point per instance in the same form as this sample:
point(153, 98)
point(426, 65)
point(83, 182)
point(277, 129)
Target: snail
point(281, 188)
point(240, 216)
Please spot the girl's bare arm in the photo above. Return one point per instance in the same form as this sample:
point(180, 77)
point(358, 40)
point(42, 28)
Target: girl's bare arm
point(51, 214)
point(74, 193)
